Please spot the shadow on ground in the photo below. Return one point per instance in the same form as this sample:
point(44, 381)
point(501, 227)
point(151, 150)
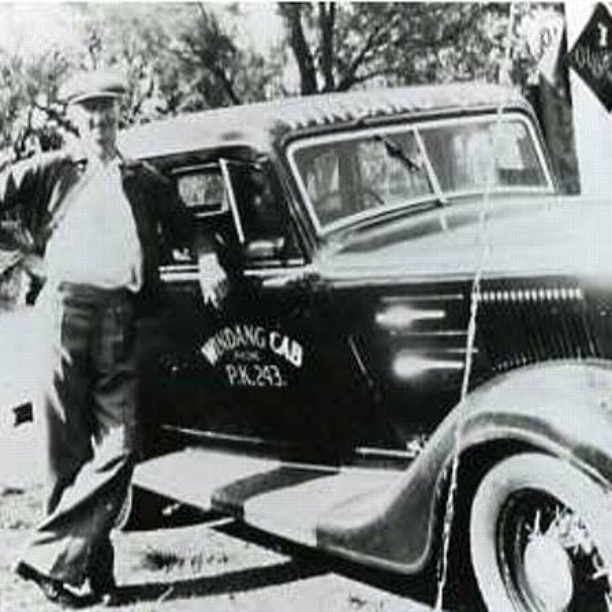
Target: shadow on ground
point(156, 512)
point(225, 584)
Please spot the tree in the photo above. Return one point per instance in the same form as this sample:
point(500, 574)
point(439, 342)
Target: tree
point(337, 47)
point(177, 57)
point(217, 71)
point(29, 116)
point(134, 40)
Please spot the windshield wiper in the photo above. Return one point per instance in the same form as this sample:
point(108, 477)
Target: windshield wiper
point(396, 152)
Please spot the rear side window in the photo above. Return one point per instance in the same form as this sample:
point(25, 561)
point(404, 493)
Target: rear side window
point(241, 201)
point(202, 189)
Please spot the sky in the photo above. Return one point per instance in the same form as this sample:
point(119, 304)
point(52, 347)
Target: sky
point(32, 28)
point(35, 27)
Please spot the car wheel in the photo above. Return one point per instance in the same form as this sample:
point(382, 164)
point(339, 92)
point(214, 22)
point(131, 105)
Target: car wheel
point(540, 537)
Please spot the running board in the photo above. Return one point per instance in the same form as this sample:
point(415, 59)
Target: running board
point(287, 499)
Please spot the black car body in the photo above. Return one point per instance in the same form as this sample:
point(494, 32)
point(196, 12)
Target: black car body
point(373, 240)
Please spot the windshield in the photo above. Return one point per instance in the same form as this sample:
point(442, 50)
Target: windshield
point(357, 173)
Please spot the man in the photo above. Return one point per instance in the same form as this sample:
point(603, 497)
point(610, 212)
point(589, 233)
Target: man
point(92, 218)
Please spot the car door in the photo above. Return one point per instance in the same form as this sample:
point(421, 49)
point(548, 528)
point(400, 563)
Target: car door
point(270, 369)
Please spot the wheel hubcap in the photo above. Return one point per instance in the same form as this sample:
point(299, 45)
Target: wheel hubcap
point(549, 559)
point(548, 571)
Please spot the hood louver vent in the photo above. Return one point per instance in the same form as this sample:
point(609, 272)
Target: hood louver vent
point(519, 325)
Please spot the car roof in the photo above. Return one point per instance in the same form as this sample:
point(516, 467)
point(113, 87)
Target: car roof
point(260, 126)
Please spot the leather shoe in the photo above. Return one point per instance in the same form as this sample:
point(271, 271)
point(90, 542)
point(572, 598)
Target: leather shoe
point(53, 589)
point(110, 599)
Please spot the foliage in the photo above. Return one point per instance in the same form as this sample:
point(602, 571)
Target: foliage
point(26, 86)
point(136, 40)
point(216, 70)
point(184, 57)
point(340, 46)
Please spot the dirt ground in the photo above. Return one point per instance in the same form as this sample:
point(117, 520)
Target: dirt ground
point(195, 565)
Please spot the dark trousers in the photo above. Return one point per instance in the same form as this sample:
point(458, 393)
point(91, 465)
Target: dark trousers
point(88, 413)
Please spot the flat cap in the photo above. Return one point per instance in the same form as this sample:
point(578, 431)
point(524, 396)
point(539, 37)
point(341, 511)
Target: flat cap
point(93, 86)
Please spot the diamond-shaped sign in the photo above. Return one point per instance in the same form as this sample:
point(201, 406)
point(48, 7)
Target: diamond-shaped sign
point(591, 56)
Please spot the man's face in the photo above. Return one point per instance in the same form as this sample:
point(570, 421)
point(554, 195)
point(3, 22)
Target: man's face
point(97, 120)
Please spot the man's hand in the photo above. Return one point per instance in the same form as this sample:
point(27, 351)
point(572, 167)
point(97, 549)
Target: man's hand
point(213, 280)
point(22, 249)
point(34, 264)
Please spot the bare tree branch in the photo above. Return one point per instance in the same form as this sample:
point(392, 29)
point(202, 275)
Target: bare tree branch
point(373, 42)
point(327, 17)
point(209, 56)
point(366, 76)
point(369, 45)
point(226, 83)
point(203, 11)
point(208, 62)
point(292, 12)
point(451, 33)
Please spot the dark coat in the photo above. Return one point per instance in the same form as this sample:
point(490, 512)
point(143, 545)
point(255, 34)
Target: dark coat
point(33, 192)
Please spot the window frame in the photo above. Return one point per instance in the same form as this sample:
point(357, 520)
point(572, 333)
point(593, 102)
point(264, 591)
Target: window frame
point(322, 229)
point(224, 165)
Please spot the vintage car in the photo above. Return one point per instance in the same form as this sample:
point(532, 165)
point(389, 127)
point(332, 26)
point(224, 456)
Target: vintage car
point(417, 340)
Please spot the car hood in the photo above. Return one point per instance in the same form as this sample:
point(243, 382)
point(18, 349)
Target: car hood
point(526, 236)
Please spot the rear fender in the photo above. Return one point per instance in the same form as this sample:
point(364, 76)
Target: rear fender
point(561, 408)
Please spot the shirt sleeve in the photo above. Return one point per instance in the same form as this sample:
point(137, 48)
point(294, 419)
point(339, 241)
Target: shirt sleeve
point(18, 196)
point(17, 183)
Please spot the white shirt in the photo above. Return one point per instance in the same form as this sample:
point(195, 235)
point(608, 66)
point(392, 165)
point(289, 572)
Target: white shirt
point(96, 243)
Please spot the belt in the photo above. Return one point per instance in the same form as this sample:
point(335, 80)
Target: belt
point(90, 293)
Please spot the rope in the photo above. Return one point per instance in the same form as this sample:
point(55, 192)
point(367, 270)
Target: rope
point(483, 249)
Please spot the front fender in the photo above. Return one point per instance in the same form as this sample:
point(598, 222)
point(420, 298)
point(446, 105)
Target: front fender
point(562, 408)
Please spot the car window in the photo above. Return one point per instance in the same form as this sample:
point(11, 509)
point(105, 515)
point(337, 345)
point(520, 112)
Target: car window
point(354, 173)
point(461, 155)
point(347, 177)
point(202, 188)
point(258, 202)
point(241, 202)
